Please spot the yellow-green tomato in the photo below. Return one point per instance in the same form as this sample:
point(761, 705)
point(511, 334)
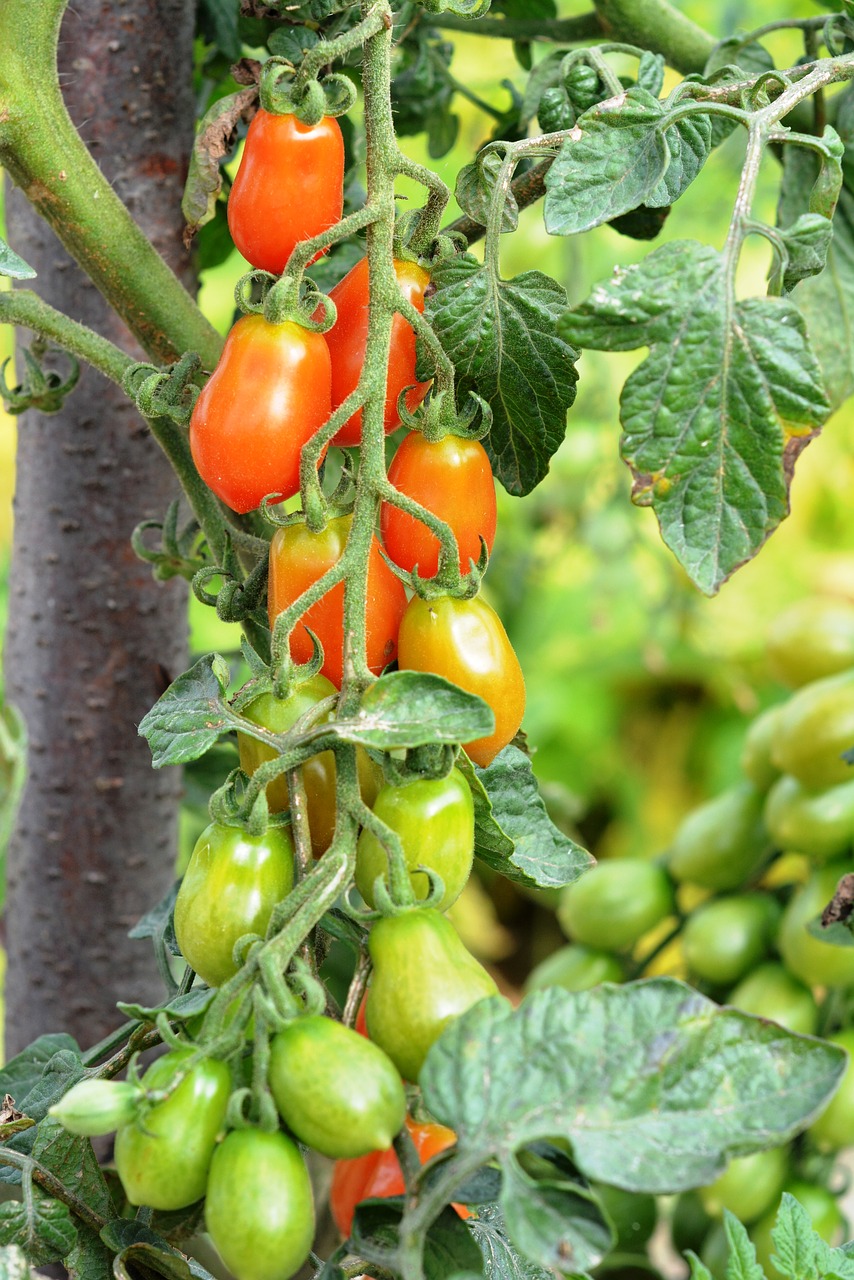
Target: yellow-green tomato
point(816, 726)
point(575, 968)
point(815, 962)
point(434, 818)
point(834, 1128)
point(725, 938)
point(613, 905)
point(822, 1209)
point(756, 762)
point(817, 823)
point(748, 1186)
point(335, 1089)
point(163, 1156)
point(770, 991)
point(259, 1209)
point(811, 639)
point(721, 843)
point(232, 884)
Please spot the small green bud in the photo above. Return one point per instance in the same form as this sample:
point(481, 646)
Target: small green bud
point(93, 1107)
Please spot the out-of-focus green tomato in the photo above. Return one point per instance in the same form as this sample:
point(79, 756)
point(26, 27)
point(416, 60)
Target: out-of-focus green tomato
point(690, 1222)
point(615, 904)
point(771, 992)
point(715, 1251)
point(824, 1214)
point(815, 962)
point(725, 938)
point(834, 1128)
point(721, 843)
point(749, 1185)
point(816, 725)
point(575, 968)
point(818, 823)
point(756, 762)
point(811, 639)
point(633, 1216)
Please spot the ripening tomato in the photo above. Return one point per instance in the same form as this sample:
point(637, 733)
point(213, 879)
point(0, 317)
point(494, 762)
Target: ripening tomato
point(378, 1175)
point(615, 903)
point(452, 478)
point(268, 395)
point(347, 341)
point(288, 187)
point(465, 642)
point(298, 558)
point(756, 762)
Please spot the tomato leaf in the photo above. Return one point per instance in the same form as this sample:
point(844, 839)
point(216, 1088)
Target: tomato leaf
point(210, 146)
point(501, 1260)
point(13, 1263)
point(21, 1074)
point(716, 415)
point(190, 715)
point(514, 834)
point(800, 1251)
point(742, 1264)
point(475, 187)
point(157, 923)
point(43, 1228)
point(690, 142)
point(182, 1007)
point(502, 337)
point(12, 265)
point(139, 1249)
point(72, 1160)
point(412, 709)
point(554, 1220)
point(448, 1245)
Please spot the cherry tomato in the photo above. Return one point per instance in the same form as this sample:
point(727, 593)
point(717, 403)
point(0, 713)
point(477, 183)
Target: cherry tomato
point(378, 1175)
point(815, 962)
point(756, 762)
point(452, 478)
point(833, 1129)
point(265, 399)
point(259, 1209)
point(231, 886)
point(289, 187)
point(297, 559)
point(347, 341)
point(816, 725)
point(824, 1214)
point(338, 1092)
point(812, 639)
point(434, 818)
point(722, 842)
point(163, 1156)
point(725, 938)
point(615, 903)
point(464, 641)
point(423, 978)
point(575, 968)
point(749, 1185)
point(772, 992)
point(817, 823)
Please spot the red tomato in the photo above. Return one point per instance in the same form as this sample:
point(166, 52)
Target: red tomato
point(297, 559)
point(288, 188)
point(452, 478)
point(378, 1174)
point(348, 337)
point(265, 399)
point(464, 641)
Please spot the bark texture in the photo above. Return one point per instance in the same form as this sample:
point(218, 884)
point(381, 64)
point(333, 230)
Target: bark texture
point(92, 639)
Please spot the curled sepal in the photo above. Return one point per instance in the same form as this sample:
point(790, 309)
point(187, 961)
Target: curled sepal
point(41, 389)
point(251, 290)
point(165, 393)
point(440, 417)
point(308, 989)
point(435, 894)
point(281, 96)
point(339, 92)
point(447, 581)
point(95, 1107)
point(465, 8)
point(297, 298)
point(286, 674)
point(180, 553)
point(236, 600)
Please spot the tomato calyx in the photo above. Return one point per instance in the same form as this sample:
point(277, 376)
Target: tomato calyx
point(283, 92)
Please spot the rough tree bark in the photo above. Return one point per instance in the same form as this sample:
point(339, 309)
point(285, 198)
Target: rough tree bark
point(92, 639)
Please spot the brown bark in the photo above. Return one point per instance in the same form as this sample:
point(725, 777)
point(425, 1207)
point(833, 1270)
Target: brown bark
point(92, 638)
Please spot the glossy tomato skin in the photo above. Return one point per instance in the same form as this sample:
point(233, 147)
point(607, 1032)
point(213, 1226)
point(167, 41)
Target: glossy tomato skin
point(575, 968)
point(268, 395)
point(423, 978)
point(231, 886)
point(722, 842)
point(288, 187)
point(452, 478)
point(464, 641)
point(615, 903)
point(434, 818)
point(348, 337)
point(817, 823)
point(770, 991)
point(816, 963)
point(725, 938)
point(297, 559)
point(163, 1156)
point(259, 1209)
point(338, 1092)
point(748, 1185)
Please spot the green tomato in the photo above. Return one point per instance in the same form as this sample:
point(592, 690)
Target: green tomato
point(833, 1129)
point(715, 1251)
point(816, 725)
point(259, 1209)
point(815, 962)
point(690, 1222)
point(615, 904)
point(163, 1156)
point(721, 843)
point(337, 1091)
point(423, 978)
point(812, 639)
point(231, 886)
point(632, 1215)
point(756, 762)
point(824, 1214)
point(95, 1107)
point(817, 823)
point(434, 818)
point(725, 938)
point(748, 1186)
point(771, 992)
point(575, 968)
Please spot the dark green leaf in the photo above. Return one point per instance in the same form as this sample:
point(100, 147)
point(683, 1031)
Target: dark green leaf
point(612, 161)
point(448, 1248)
point(190, 715)
point(43, 1229)
point(545, 75)
point(556, 1223)
point(807, 243)
point(475, 187)
point(157, 923)
point(89, 1259)
point(292, 43)
point(501, 1260)
point(690, 142)
point(716, 415)
point(211, 145)
point(35, 1080)
point(214, 242)
point(442, 128)
point(529, 10)
point(751, 59)
point(651, 72)
point(22, 1073)
point(411, 709)
point(218, 20)
point(12, 265)
point(502, 337)
point(181, 1007)
point(741, 1264)
point(137, 1246)
point(71, 1159)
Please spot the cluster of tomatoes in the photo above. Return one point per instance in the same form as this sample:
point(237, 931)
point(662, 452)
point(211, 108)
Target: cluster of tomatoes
point(728, 907)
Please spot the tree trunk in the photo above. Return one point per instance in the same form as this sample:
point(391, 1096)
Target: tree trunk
point(92, 638)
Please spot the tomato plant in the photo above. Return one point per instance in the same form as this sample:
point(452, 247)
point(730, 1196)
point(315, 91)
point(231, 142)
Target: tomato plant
point(834, 1128)
point(725, 938)
point(616, 903)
